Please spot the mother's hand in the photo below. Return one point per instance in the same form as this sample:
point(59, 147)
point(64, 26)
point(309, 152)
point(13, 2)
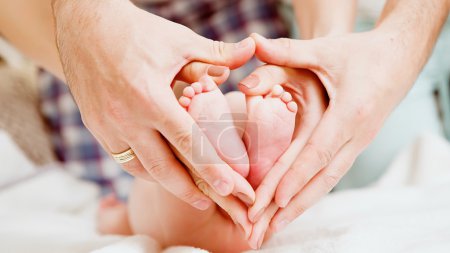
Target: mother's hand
point(361, 75)
point(120, 62)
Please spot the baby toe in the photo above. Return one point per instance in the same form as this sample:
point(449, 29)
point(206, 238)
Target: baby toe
point(189, 92)
point(197, 87)
point(207, 83)
point(277, 90)
point(292, 106)
point(286, 97)
point(184, 101)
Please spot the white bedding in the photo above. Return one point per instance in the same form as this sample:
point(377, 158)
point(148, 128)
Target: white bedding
point(408, 210)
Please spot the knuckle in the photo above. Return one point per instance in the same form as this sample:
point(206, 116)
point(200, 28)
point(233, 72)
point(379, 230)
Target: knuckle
point(298, 209)
point(183, 141)
point(282, 164)
point(188, 195)
point(115, 110)
point(218, 48)
point(330, 181)
point(301, 179)
point(266, 191)
point(158, 168)
point(93, 122)
point(206, 170)
point(298, 172)
point(323, 156)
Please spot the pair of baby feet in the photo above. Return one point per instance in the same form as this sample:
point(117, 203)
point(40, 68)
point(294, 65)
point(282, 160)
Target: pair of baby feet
point(252, 135)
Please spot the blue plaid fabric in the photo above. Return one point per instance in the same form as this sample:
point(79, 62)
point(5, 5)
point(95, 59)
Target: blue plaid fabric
point(229, 21)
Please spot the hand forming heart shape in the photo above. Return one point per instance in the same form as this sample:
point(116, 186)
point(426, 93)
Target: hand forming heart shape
point(270, 142)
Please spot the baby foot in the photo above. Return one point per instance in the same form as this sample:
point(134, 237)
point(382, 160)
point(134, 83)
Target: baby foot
point(112, 217)
point(268, 133)
point(209, 108)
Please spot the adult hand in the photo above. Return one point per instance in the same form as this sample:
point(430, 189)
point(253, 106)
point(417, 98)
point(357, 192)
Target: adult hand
point(120, 63)
point(365, 75)
point(309, 94)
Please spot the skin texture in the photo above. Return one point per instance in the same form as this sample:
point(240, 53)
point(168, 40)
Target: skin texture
point(271, 121)
point(154, 211)
point(209, 108)
point(379, 66)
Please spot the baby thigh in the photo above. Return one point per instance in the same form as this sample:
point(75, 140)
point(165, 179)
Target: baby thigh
point(157, 213)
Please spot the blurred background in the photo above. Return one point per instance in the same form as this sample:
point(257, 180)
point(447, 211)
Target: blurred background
point(38, 112)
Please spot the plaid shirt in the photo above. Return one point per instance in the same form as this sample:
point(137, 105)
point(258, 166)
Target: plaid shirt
point(228, 20)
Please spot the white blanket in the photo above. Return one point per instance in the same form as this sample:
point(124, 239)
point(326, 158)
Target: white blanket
point(408, 210)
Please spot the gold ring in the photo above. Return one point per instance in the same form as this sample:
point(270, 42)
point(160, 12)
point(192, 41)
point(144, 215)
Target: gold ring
point(124, 156)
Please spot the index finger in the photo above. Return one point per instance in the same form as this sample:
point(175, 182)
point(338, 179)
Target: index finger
point(331, 134)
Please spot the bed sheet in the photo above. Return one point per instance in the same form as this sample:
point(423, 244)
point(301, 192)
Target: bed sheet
point(408, 210)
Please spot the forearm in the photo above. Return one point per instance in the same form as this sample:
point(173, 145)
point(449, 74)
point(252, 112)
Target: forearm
point(412, 27)
point(319, 18)
point(28, 25)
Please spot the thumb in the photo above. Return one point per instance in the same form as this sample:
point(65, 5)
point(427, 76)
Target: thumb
point(232, 55)
point(193, 71)
point(288, 52)
point(262, 80)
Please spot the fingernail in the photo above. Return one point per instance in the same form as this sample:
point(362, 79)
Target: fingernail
point(222, 187)
point(258, 215)
point(281, 225)
point(216, 70)
point(250, 82)
point(244, 43)
point(246, 199)
point(202, 204)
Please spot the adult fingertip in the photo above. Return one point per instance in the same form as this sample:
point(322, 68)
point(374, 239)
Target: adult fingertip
point(257, 37)
point(245, 198)
point(255, 216)
point(250, 82)
point(253, 242)
point(282, 201)
point(216, 71)
point(246, 228)
point(246, 43)
point(202, 204)
point(260, 241)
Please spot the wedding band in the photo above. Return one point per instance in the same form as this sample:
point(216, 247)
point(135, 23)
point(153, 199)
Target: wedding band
point(124, 156)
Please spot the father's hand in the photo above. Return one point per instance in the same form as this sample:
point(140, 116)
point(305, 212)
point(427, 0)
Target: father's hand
point(120, 62)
